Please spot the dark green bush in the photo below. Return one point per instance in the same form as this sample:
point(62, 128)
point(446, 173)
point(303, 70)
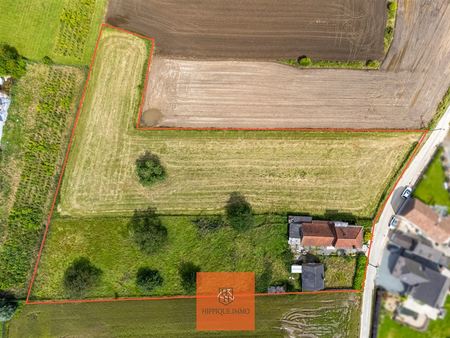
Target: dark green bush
point(148, 279)
point(81, 275)
point(11, 62)
point(149, 169)
point(239, 212)
point(147, 230)
point(304, 61)
point(188, 274)
point(47, 60)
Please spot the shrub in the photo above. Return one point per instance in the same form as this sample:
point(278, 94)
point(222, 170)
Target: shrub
point(81, 275)
point(304, 61)
point(149, 169)
point(11, 62)
point(147, 230)
point(148, 279)
point(239, 212)
point(208, 224)
point(188, 274)
point(47, 61)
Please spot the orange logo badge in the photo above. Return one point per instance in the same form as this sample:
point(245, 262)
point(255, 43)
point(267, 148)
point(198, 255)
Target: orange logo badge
point(225, 301)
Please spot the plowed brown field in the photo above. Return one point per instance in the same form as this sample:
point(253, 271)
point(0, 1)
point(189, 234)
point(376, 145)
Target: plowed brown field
point(257, 29)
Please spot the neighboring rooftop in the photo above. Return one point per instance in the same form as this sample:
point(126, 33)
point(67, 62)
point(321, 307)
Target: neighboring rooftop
point(312, 277)
point(427, 219)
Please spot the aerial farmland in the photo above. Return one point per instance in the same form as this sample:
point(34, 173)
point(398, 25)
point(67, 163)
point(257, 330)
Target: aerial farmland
point(151, 142)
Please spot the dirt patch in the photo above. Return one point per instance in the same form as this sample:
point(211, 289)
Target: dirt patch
point(151, 117)
point(261, 29)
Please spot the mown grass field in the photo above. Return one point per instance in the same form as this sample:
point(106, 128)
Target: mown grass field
point(431, 189)
point(310, 315)
point(277, 171)
point(106, 241)
point(64, 30)
point(44, 102)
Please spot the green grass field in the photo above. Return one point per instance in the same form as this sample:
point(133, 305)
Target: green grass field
point(308, 315)
point(431, 189)
point(106, 241)
point(277, 171)
point(437, 329)
point(64, 30)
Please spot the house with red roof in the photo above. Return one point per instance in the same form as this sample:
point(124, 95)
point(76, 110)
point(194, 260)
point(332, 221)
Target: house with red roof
point(325, 234)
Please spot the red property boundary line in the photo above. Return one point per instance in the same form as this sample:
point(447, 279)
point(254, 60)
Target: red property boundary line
point(138, 127)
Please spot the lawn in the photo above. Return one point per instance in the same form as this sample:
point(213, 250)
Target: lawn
point(316, 172)
point(64, 30)
point(308, 315)
point(437, 329)
point(431, 189)
point(106, 241)
point(44, 102)
point(339, 271)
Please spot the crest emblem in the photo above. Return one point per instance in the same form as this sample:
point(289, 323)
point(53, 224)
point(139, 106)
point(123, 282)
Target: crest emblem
point(225, 296)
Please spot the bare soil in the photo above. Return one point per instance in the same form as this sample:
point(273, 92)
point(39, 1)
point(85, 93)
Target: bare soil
point(257, 29)
point(403, 94)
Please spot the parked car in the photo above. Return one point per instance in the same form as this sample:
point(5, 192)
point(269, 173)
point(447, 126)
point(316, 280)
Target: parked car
point(393, 222)
point(407, 192)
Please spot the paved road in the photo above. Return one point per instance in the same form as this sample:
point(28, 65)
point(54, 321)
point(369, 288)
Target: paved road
point(410, 177)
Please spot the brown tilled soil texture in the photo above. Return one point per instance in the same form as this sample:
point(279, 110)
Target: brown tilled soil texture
point(257, 29)
point(403, 94)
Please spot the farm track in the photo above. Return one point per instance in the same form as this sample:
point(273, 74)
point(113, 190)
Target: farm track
point(243, 94)
point(257, 29)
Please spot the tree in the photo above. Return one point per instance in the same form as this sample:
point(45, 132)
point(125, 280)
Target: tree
point(11, 62)
point(149, 169)
point(148, 279)
point(147, 230)
point(239, 212)
point(188, 274)
point(81, 275)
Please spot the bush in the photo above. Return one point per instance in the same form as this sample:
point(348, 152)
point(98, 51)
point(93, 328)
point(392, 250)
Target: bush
point(149, 169)
point(11, 62)
point(304, 61)
point(188, 274)
point(147, 230)
point(148, 279)
point(208, 224)
point(239, 212)
point(81, 275)
point(47, 61)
